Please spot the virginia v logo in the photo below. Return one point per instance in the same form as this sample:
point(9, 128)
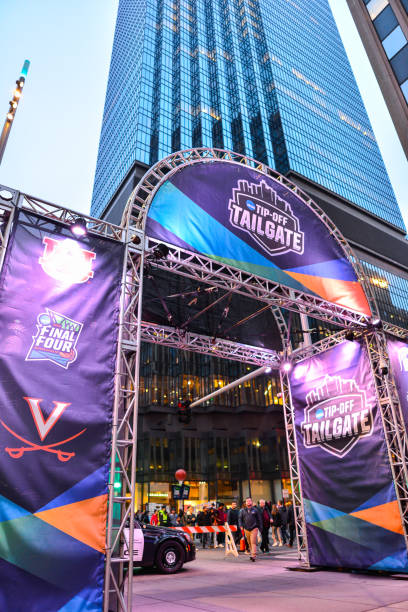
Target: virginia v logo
point(44, 426)
point(336, 416)
point(257, 210)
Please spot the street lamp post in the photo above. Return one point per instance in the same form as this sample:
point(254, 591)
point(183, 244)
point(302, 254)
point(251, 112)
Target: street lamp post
point(13, 108)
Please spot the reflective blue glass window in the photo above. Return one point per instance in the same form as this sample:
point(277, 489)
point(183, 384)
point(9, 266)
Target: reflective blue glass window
point(385, 22)
point(394, 42)
point(404, 87)
point(266, 78)
point(405, 4)
point(374, 7)
point(399, 64)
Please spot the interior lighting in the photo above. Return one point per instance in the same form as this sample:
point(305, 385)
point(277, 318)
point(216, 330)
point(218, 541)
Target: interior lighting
point(78, 228)
point(350, 335)
point(268, 370)
point(286, 366)
point(376, 323)
point(379, 282)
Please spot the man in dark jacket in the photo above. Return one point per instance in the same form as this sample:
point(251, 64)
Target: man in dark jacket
point(283, 513)
point(291, 522)
point(204, 520)
point(220, 520)
point(266, 523)
point(250, 520)
point(232, 519)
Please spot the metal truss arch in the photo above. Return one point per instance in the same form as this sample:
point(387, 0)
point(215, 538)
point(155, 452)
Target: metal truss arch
point(138, 204)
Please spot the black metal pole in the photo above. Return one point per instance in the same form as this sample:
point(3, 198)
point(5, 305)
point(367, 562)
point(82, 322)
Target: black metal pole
point(13, 108)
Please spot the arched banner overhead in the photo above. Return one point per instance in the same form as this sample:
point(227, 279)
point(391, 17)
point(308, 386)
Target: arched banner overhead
point(246, 219)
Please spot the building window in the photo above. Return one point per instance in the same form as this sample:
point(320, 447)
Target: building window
point(394, 42)
point(404, 88)
point(399, 64)
point(385, 22)
point(374, 7)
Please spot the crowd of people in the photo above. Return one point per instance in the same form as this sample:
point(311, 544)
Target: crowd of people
point(256, 523)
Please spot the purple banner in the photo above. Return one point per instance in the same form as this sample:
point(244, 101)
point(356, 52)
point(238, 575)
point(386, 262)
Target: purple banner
point(398, 354)
point(58, 333)
point(246, 219)
point(351, 509)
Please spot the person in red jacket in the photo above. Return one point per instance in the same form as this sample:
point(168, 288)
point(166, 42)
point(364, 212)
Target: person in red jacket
point(155, 518)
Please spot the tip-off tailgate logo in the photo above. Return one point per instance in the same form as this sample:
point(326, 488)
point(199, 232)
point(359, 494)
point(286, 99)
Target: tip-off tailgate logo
point(257, 210)
point(336, 416)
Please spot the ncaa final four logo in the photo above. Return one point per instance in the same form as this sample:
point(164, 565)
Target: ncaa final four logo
point(55, 340)
point(336, 416)
point(257, 210)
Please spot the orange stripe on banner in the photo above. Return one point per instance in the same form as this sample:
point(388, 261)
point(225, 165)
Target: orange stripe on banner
point(386, 516)
point(84, 520)
point(344, 293)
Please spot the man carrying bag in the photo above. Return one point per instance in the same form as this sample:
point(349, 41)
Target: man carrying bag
point(250, 520)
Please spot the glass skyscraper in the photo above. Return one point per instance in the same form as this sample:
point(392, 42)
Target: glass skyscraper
point(266, 78)
point(269, 79)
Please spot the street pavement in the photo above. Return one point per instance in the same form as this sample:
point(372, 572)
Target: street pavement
point(217, 584)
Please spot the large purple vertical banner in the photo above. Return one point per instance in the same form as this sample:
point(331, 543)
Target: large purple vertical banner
point(351, 509)
point(398, 354)
point(59, 302)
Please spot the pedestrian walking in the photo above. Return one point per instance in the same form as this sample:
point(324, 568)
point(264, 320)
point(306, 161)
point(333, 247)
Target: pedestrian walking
point(144, 516)
point(191, 519)
point(182, 518)
point(232, 519)
point(204, 520)
point(291, 522)
point(250, 520)
point(155, 518)
point(164, 520)
point(284, 521)
point(220, 520)
point(173, 518)
point(276, 524)
point(266, 524)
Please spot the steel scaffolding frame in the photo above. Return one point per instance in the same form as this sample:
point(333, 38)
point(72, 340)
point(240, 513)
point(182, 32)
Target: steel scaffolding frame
point(132, 330)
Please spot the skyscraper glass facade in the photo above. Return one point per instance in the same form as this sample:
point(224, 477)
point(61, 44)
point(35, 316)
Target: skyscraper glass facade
point(269, 79)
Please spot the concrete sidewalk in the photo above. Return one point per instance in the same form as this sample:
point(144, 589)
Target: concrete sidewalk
point(216, 584)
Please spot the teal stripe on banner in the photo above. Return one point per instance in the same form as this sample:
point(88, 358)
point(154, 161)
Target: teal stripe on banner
point(180, 215)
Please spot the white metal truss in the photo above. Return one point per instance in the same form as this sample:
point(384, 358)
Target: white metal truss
point(206, 345)
point(207, 270)
point(392, 419)
point(297, 497)
point(132, 330)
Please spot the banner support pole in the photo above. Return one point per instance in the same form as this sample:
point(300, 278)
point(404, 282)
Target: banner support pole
point(297, 494)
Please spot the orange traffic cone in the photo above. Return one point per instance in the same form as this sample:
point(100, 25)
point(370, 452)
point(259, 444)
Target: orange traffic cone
point(242, 545)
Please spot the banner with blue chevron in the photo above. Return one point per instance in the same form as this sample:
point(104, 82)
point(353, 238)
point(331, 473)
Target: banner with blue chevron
point(58, 332)
point(351, 509)
point(243, 218)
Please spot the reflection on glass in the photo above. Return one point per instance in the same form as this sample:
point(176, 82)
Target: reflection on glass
point(394, 42)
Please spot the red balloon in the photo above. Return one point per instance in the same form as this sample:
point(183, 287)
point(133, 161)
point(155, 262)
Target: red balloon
point(181, 475)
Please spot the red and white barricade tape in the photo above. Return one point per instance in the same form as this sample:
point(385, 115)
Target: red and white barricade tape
point(212, 529)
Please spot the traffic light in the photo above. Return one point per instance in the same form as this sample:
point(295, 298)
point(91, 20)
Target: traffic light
point(184, 412)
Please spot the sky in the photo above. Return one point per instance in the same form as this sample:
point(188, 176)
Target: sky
point(53, 145)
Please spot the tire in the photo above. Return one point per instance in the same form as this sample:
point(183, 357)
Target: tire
point(170, 557)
